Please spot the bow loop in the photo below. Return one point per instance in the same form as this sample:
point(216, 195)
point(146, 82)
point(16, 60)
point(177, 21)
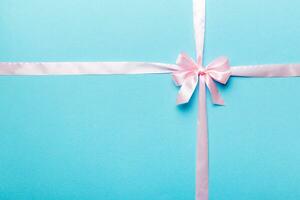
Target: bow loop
point(187, 68)
point(219, 70)
point(188, 74)
point(186, 63)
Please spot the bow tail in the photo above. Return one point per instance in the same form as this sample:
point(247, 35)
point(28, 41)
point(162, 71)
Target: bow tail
point(212, 87)
point(187, 89)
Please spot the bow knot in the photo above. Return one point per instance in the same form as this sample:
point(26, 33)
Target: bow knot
point(190, 72)
point(201, 73)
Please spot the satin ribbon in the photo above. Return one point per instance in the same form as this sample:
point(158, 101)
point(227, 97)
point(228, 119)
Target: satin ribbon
point(187, 74)
point(83, 68)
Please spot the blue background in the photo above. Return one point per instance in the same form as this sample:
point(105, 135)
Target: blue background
point(122, 137)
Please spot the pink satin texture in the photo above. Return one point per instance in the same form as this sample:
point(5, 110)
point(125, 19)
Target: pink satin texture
point(187, 77)
point(187, 74)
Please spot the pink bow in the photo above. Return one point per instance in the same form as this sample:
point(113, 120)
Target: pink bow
point(189, 72)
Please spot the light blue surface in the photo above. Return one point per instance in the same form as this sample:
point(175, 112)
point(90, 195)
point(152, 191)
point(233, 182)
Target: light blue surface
point(122, 137)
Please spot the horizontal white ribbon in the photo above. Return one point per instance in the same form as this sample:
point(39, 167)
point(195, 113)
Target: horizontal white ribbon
point(81, 68)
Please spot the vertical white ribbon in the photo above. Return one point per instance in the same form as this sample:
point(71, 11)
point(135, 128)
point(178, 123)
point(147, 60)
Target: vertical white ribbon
point(199, 26)
point(202, 138)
